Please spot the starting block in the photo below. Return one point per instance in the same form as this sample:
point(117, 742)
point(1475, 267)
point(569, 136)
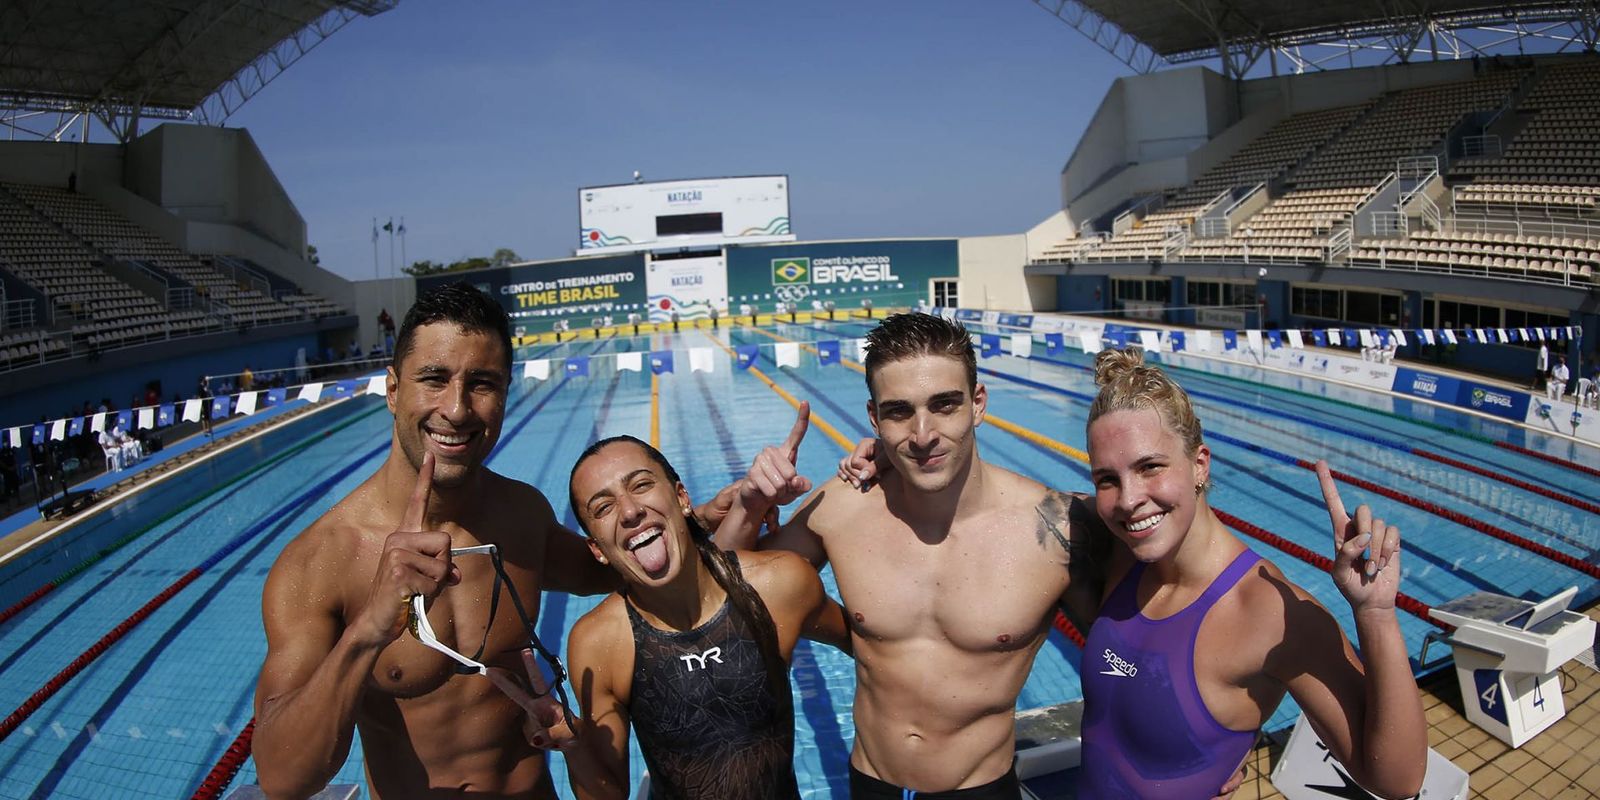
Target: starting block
point(1307, 771)
point(1507, 653)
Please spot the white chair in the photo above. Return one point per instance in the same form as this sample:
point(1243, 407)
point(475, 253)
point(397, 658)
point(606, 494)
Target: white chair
point(113, 457)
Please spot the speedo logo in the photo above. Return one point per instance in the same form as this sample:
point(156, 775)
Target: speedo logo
point(1119, 667)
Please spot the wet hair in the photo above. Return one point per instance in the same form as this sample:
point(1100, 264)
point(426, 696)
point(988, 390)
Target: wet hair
point(1128, 384)
point(460, 303)
point(742, 597)
point(908, 335)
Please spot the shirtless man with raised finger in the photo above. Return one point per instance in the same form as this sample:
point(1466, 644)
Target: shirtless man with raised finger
point(339, 601)
point(950, 569)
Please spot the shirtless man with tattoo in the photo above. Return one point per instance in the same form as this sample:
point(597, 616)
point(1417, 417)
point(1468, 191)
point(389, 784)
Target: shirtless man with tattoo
point(950, 569)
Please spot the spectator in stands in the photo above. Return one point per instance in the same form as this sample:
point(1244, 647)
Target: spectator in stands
point(386, 329)
point(204, 393)
point(247, 379)
point(354, 352)
point(8, 471)
point(1559, 375)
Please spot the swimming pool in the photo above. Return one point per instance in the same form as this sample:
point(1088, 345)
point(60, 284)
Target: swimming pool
point(152, 714)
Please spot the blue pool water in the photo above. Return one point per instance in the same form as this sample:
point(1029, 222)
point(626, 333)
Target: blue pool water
point(152, 715)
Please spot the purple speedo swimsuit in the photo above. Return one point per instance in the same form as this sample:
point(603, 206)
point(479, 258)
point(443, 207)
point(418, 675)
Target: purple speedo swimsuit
point(1146, 730)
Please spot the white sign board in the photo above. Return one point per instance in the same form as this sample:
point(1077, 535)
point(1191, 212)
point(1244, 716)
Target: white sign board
point(689, 286)
point(1307, 771)
point(696, 213)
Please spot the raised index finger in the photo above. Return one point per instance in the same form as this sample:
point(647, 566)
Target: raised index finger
point(417, 508)
point(802, 423)
point(1330, 496)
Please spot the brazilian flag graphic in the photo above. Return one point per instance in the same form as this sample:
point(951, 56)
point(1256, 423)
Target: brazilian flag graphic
point(789, 271)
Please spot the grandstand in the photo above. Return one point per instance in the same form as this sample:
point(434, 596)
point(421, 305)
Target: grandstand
point(1422, 179)
point(174, 252)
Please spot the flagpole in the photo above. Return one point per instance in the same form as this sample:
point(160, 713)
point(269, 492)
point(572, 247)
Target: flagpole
point(395, 286)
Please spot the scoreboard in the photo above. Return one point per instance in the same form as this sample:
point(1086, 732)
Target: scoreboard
point(711, 212)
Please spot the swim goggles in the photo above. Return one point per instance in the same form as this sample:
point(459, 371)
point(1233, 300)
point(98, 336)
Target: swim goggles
point(417, 622)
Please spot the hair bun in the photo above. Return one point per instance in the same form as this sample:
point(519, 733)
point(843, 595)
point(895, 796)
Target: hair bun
point(1113, 363)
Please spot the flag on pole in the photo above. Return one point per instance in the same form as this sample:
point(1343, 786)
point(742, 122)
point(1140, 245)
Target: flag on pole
point(97, 423)
point(58, 430)
point(147, 418)
point(277, 397)
point(786, 354)
point(747, 354)
point(702, 360)
point(1254, 337)
point(989, 344)
point(1022, 345)
point(828, 351)
point(630, 362)
point(311, 393)
point(577, 365)
point(124, 419)
point(1150, 341)
point(1089, 341)
point(1202, 341)
point(1178, 340)
point(388, 227)
point(1052, 343)
point(1230, 340)
point(1294, 339)
point(1318, 337)
point(76, 427)
point(38, 434)
point(660, 361)
point(165, 414)
point(246, 404)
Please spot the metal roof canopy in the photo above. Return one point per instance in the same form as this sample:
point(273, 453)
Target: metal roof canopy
point(62, 60)
point(1150, 34)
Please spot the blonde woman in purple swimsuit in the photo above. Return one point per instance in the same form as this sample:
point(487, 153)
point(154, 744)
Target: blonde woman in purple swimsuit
point(1199, 638)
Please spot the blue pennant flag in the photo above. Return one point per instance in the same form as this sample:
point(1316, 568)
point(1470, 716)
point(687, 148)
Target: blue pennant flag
point(38, 434)
point(1319, 337)
point(344, 388)
point(1275, 339)
point(1417, 334)
point(1351, 338)
point(1052, 343)
point(124, 419)
point(1230, 340)
point(747, 354)
point(1384, 334)
point(828, 351)
point(166, 414)
point(1178, 341)
point(276, 397)
point(578, 365)
point(219, 407)
point(660, 361)
point(75, 427)
point(990, 344)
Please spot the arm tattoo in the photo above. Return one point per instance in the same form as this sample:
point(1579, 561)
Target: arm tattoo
point(1053, 513)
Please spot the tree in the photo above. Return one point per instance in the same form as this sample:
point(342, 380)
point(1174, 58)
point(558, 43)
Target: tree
point(504, 256)
point(424, 268)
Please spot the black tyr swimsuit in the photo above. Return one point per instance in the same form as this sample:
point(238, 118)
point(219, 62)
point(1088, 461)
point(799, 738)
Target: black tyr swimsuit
point(707, 722)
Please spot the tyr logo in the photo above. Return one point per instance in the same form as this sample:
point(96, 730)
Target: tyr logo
point(690, 660)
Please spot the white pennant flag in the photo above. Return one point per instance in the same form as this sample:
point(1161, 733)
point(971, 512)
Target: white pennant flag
point(378, 385)
point(311, 393)
point(1294, 339)
point(701, 360)
point(147, 418)
point(1449, 335)
point(1540, 333)
point(630, 362)
point(1022, 345)
point(58, 430)
point(1202, 341)
point(1089, 341)
point(1399, 337)
point(97, 423)
point(786, 354)
point(538, 370)
point(247, 403)
point(1427, 336)
point(191, 409)
point(1367, 339)
point(1254, 337)
point(16, 437)
point(1526, 337)
point(1335, 338)
point(1483, 338)
point(1150, 341)
point(1501, 331)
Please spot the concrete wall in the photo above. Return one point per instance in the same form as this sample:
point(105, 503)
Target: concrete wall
point(53, 163)
point(991, 275)
point(1054, 229)
point(371, 297)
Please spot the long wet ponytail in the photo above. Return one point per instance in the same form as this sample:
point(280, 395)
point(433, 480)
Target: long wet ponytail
point(742, 597)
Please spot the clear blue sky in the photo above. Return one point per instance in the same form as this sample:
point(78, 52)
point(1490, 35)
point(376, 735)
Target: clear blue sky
point(478, 122)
